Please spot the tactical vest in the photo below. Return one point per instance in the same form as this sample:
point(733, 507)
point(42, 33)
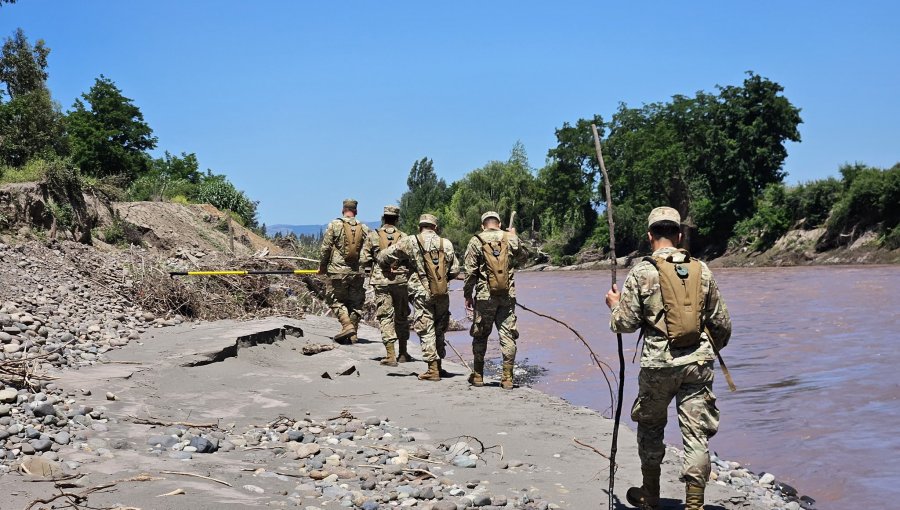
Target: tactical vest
point(353, 239)
point(496, 259)
point(435, 267)
point(682, 295)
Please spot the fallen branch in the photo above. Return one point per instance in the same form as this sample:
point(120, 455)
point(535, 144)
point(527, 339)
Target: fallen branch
point(423, 471)
point(154, 421)
point(195, 475)
point(176, 492)
point(74, 499)
point(598, 452)
point(420, 459)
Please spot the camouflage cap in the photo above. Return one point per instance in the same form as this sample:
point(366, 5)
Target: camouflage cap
point(428, 219)
point(349, 203)
point(490, 214)
point(663, 214)
point(391, 210)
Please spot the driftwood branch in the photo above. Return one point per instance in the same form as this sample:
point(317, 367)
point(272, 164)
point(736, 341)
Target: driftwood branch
point(195, 475)
point(154, 421)
point(74, 498)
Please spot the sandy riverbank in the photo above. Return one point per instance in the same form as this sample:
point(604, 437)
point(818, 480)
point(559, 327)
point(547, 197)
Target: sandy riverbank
point(269, 400)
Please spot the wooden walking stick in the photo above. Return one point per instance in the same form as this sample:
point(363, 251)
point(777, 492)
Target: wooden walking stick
point(612, 250)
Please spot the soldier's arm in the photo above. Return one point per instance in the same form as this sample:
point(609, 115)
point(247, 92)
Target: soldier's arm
point(452, 261)
point(470, 264)
point(392, 255)
point(626, 315)
point(518, 249)
point(367, 255)
point(326, 249)
point(719, 321)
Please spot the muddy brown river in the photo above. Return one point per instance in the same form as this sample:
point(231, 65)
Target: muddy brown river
point(814, 354)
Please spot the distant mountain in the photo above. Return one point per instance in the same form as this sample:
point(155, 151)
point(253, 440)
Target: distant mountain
point(306, 229)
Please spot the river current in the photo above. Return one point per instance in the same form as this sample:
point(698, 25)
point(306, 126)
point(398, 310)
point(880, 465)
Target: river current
point(814, 354)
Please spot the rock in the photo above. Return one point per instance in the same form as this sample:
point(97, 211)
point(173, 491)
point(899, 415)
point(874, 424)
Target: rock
point(41, 445)
point(44, 409)
point(481, 500)
point(498, 501)
point(111, 396)
point(371, 504)
point(463, 461)
point(373, 421)
point(8, 396)
point(5, 409)
point(62, 438)
point(793, 505)
point(304, 450)
point(444, 505)
point(164, 441)
point(426, 493)
point(254, 489)
point(181, 455)
point(203, 445)
point(27, 449)
point(44, 468)
point(294, 435)
point(766, 479)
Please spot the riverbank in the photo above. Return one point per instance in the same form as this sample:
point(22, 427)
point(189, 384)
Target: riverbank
point(290, 430)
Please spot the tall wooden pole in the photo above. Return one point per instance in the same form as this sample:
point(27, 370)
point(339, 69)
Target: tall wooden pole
point(612, 251)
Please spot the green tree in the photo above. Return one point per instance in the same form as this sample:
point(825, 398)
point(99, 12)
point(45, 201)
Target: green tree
point(31, 123)
point(108, 133)
point(219, 192)
point(502, 186)
point(426, 193)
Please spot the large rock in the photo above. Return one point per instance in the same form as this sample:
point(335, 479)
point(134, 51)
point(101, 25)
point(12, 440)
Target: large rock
point(203, 445)
point(304, 450)
point(44, 409)
point(8, 396)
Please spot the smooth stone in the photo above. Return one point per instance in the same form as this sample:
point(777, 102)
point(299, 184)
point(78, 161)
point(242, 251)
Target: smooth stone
point(444, 505)
point(481, 500)
point(62, 438)
point(766, 479)
point(203, 445)
point(463, 461)
point(164, 441)
point(5, 409)
point(181, 455)
point(254, 489)
point(41, 445)
point(8, 396)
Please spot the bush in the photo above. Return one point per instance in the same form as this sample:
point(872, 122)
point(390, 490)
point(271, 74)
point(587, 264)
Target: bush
point(771, 220)
point(158, 187)
point(217, 191)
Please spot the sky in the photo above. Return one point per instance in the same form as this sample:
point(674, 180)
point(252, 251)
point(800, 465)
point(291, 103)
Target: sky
point(303, 104)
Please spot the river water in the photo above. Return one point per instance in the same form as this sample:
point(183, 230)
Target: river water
point(814, 355)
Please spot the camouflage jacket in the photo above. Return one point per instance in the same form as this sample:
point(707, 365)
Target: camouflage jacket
point(396, 274)
point(408, 251)
point(331, 257)
point(477, 270)
point(641, 305)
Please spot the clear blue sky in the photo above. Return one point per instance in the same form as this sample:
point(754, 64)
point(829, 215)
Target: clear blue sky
point(304, 103)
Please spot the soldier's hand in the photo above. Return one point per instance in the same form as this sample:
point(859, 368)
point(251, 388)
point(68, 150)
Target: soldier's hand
point(470, 305)
point(613, 296)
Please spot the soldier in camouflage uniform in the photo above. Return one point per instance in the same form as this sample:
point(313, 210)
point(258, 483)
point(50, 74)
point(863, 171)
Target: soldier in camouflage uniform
point(391, 293)
point(341, 245)
point(490, 308)
point(667, 372)
point(432, 312)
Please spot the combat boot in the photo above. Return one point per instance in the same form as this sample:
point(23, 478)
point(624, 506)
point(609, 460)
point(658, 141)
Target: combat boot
point(391, 358)
point(347, 329)
point(476, 378)
point(645, 497)
point(506, 382)
point(433, 373)
point(693, 498)
point(441, 370)
point(404, 356)
point(354, 320)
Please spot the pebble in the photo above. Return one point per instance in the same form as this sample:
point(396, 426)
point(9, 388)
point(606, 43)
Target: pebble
point(463, 461)
point(254, 489)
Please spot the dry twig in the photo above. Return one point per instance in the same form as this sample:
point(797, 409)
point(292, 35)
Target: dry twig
point(195, 475)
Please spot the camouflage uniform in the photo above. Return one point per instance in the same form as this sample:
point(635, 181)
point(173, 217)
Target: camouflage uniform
point(685, 374)
point(345, 295)
point(432, 313)
point(492, 310)
point(390, 284)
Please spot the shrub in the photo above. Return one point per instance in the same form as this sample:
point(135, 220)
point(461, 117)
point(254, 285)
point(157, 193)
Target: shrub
point(217, 191)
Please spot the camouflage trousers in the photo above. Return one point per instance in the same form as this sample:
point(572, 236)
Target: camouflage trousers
point(499, 311)
point(392, 312)
point(430, 320)
point(698, 417)
point(346, 295)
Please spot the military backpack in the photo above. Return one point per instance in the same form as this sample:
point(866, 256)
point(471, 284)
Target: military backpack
point(682, 295)
point(353, 240)
point(387, 239)
point(496, 260)
point(435, 267)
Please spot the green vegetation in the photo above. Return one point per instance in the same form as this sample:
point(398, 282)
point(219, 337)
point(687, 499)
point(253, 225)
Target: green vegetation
point(717, 158)
point(102, 144)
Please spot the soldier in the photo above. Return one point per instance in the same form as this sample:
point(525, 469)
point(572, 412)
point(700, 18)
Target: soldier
point(433, 264)
point(341, 245)
point(675, 301)
point(391, 293)
point(490, 291)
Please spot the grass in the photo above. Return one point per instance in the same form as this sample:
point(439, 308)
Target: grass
point(32, 172)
